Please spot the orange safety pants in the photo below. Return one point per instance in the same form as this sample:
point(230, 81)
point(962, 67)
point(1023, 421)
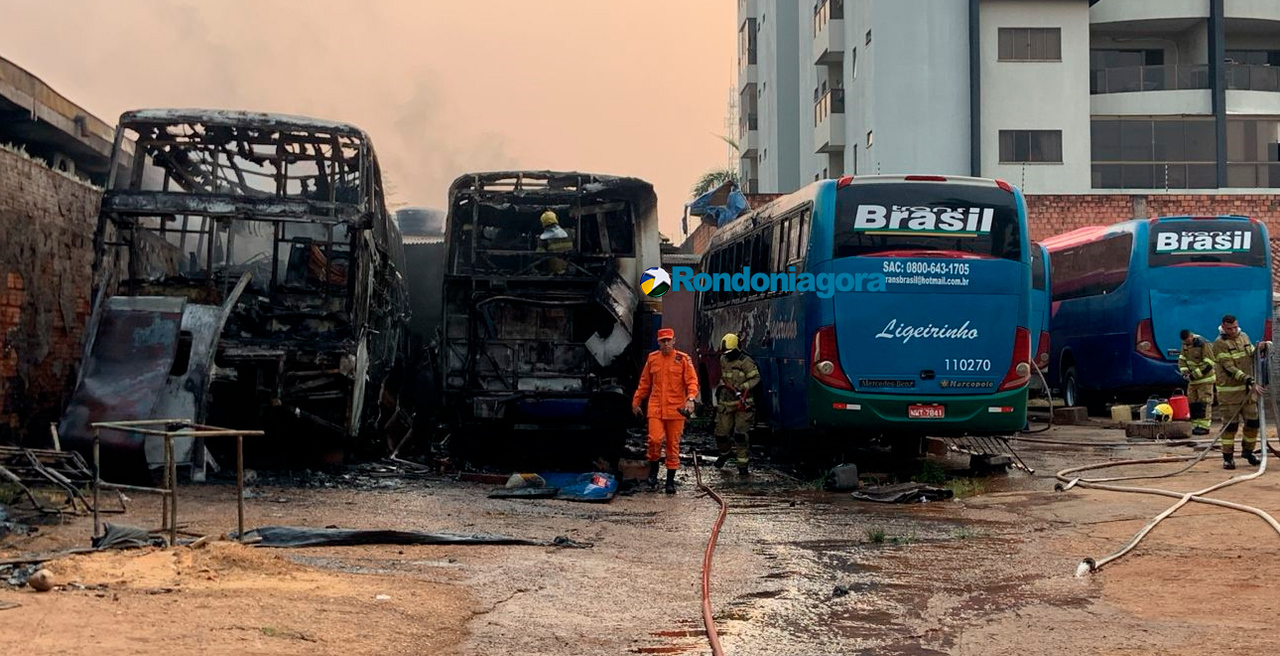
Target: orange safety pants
point(665, 431)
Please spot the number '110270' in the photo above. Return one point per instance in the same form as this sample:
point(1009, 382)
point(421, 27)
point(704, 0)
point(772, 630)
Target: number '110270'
point(954, 364)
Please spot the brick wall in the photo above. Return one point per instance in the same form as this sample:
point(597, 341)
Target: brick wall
point(46, 256)
point(1051, 215)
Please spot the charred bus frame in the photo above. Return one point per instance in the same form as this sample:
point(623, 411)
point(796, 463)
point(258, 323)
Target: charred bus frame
point(529, 346)
point(281, 219)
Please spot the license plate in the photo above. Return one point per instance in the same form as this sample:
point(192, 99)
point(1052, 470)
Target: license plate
point(926, 412)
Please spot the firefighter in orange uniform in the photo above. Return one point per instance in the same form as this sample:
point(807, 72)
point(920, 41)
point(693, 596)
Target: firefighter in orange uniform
point(671, 385)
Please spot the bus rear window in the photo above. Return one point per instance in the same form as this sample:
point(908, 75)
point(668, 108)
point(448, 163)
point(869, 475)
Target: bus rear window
point(901, 218)
point(1207, 241)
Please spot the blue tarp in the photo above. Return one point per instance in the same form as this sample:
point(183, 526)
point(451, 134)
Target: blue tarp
point(734, 206)
point(570, 486)
point(592, 486)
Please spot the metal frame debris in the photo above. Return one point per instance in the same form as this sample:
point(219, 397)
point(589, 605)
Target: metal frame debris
point(173, 428)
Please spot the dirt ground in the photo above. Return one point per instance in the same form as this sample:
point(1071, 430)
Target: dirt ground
point(797, 570)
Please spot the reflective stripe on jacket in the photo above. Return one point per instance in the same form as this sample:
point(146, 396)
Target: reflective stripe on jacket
point(1197, 361)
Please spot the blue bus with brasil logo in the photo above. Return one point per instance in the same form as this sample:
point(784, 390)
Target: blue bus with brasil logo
point(1122, 294)
point(910, 314)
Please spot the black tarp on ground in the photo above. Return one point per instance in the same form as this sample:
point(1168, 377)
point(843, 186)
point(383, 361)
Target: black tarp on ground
point(903, 493)
point(294, 536)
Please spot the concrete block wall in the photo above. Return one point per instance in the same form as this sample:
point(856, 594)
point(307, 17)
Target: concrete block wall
point(47, 221)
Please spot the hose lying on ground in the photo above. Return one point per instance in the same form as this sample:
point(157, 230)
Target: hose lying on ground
point(1091, 565)
point(707, 619)
point(1049, 394)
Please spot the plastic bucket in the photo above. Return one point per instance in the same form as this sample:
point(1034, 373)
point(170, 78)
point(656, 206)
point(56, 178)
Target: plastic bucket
point(1181, 407)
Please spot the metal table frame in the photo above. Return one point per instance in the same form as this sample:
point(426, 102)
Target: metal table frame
point(170, 428)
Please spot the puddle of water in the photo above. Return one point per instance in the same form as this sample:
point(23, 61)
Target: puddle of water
point(661, 650)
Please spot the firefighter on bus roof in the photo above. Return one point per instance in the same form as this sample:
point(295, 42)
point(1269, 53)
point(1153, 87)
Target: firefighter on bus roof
point(1196, 365)
point(735, 408)
point(1234, 356)
point(554, 239)
point(671, 385)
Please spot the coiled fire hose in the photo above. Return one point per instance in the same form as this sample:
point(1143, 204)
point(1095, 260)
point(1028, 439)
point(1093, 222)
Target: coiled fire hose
point(1091, 565)
point(707, 620)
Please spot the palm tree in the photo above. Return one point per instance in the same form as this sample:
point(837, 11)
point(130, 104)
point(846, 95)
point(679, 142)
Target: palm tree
point(716, 177)
point(712, 179)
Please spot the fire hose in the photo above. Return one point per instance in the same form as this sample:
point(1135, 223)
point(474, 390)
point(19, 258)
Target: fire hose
point(1091, 565)
point(707, 620)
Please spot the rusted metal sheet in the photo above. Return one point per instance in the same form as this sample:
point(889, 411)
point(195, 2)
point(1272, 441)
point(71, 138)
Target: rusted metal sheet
point(124, 376)
point(144, 366)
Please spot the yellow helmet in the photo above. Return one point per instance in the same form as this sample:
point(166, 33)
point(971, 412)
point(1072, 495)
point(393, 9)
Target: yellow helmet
point(549, 218)
point(729, 342)
point(1164, 412)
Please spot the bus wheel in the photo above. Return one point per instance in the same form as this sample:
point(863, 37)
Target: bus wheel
point(1070, 387)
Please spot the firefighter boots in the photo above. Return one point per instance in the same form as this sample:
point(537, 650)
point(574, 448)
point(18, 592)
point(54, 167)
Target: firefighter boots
point(653, 474)
point(1253, 460)
point(1228, 462)
point(724, 457)
point(671, 481)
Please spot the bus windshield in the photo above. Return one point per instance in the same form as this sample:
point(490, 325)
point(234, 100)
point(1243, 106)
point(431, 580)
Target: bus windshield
point(1207, 241)
point(926, 218)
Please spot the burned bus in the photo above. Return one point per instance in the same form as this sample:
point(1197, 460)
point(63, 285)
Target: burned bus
point(548, 340)
point(248, 275)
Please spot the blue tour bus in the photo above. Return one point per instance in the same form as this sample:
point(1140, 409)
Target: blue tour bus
point(1122, 294)
point(1040, 313)
point(942, 348)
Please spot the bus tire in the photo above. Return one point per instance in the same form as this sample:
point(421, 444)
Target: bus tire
point(1071, 396)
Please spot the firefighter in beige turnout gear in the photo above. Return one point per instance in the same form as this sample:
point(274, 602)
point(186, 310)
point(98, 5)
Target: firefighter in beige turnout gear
point(735, 411)
point(1196, 365)
point(1235, 356)
point(554, 239)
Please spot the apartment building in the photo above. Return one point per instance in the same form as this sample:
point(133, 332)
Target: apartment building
point(1162, 99)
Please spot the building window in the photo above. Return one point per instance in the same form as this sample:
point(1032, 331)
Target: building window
point(1030, 44)
point(868, 138)
point(868, 37)
point(853, 63)
point(1091, 269)
point(1036, 146)
point(747, 43)
point(1146, 153)
point(1253, 152)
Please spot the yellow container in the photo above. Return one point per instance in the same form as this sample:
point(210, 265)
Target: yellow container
point(1121, 413)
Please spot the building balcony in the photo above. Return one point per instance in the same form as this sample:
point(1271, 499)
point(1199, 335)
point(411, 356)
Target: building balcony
point(1146, 12)
point(748, 135)
point(828, 122)
point(1131, 79)
point(1264, 10)
point(828, 32)
point(748, 76)
point(1253, 78)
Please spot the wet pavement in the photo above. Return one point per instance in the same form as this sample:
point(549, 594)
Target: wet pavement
point(797, 569)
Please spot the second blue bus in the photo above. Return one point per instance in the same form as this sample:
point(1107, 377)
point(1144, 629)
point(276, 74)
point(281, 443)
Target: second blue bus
point(1122, 294)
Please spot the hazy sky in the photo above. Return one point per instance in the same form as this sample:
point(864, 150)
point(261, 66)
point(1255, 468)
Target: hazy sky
point(625, 87)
